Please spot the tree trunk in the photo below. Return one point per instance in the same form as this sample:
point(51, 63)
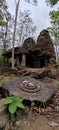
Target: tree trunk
point(4, 38)
point(16, 14)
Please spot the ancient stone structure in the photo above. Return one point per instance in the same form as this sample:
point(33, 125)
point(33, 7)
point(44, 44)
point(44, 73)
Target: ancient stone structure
point(43, 52)
point(47, 53)
point(28, 44)
point(33, 55)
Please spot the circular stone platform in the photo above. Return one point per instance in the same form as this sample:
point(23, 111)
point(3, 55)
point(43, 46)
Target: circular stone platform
point(29, 89)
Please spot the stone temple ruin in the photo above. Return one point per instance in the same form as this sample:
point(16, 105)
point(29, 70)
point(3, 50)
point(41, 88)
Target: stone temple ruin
point(34, 55)
point(46, 48)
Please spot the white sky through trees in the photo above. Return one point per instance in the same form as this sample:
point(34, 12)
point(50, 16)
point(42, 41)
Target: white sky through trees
point(39, 14)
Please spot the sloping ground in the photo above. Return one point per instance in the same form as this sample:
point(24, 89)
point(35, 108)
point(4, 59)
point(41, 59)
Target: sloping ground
point(41, 72)
point(38, 123)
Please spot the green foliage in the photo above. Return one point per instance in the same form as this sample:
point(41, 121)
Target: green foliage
point(15, 105)
point(1, 60)
point(11, 76)
point(57, 84)
point(1, 56)
point(3, 10)
point(10, 61)
point(57, 63)
point(1, 77)
point(54, 14)
point(52, 2)
point(54, 29)
point(2, 22)
point(19, 112)
point(34, 2)
point(1, 81)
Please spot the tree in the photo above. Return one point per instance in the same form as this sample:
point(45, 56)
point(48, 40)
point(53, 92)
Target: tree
point(2, 19)
point(3, 7)
point(1, 60)
point(16, 14)
point(5, 16)
point(52, 2)
point(8, 17)
point(54, 30)
point(32, 1)
point(25, 27)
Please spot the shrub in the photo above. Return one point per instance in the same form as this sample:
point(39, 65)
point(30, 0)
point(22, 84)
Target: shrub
point(10, 61)
point(57, 63)
point(15, 105)
point(57, 84)
point(1, 81)
point(1, 77)
point(1, 60)
point(11, 76)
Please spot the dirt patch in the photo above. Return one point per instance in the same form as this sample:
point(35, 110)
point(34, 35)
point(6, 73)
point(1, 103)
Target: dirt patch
point(31, 122)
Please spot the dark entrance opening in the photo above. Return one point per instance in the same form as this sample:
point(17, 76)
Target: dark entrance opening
point(42, 62)
point(20, 58)
point(29, 61)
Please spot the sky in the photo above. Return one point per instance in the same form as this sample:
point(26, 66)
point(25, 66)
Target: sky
point(39, 13)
